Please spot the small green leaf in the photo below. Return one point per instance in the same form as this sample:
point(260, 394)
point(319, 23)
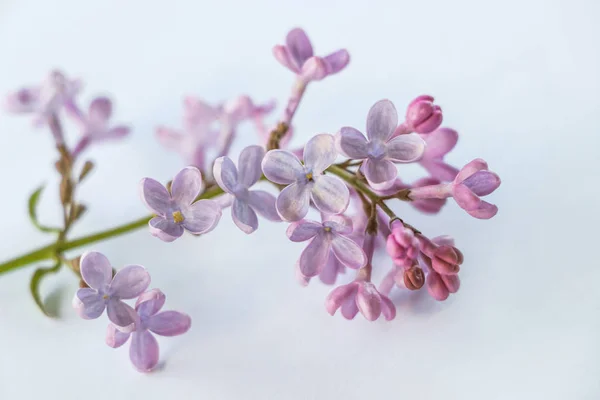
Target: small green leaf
point(32, 205)
point(34, 285)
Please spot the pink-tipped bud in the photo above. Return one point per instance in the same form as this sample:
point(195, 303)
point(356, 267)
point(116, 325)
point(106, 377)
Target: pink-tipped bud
point(402, 245)
point(422, 116)
point(436, 286)
point(314, 69)
point(445, 259)
point(414, 278)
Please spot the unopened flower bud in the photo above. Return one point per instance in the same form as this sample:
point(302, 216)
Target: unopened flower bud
point(422, 116)
point(414, 278)
point(66, 191)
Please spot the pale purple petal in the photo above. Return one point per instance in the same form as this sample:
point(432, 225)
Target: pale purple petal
point(164, 229)
point(303, 230)
point(169, 323)
point(352, 143)
point(482, 182)
point(150, 302)
point(440, 142)
point(368, 301)
point(96, 270)
point(388, 309)
point(114, 133)
point(250, 165)
point(282, 54)
point(92, 304)
point(244, 216)
point(130, 282)
point(338, 296)
point(293, 201)
point(172, 139)
point(186, 186)
point(202, 216)
point(484, 211)
point(330, 195)
point(23, 101)
point(314, 256)
point(299, 46)
point(225, 200)
point(379, 171)
point(405, 148)
point(225, 174)
point(349, 307)
point(382, 121)
point(282, 167)
point(264, 204)
point(143, 351)
point(349, 253)
point(332, 269)
point(313, 69)
point(114, 337)
point(465, 198)
point(338, 223)
point(121, 314)
point(476, 165)
point(320, 153)
point(337, 61)
point(439, 169)
point(100, 110)
point(155, 196)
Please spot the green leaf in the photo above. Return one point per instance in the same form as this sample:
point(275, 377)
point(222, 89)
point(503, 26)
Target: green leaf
point(32, 205)
point(34, 285)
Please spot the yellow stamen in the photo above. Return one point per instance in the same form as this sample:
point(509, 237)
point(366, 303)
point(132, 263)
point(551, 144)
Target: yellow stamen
point(178, 217)
point(309, 176)
point(327, 229)
point(105, 297)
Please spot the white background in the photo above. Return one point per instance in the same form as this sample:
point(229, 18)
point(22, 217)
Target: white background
point(517, 78)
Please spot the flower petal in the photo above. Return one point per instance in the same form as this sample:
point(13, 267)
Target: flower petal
point(338, 296)
point(440, 142)
point(186, 186)
point(143, 351)
point(382, 120)
point(476, 165)
point(349, 253)
point(405, 148)
point(482, 183)
point(338, 223)
point(91, 303)
point(368, 301)
point(484, 211)
point(331, 270)
point(244, 216)
point(130, 282)
point(320, 153)
point(452, 282)
point(171, 139)
point(337, 61)
point(293, 201)
point(465, 198)
point(299, 46)
point(282, 167)
point(114, 133)
point(250, 165)
point(121, 314)
point(169, 323)
point(164, 229)
point(314, 256)
point(349, 307)
point(114, 337)
point(264, 204)
point(283, 55)
point(225, 174)
point(379, 171)
point(388, 309)
point(202, 216)
point(150, 302)
point(100, 110)
point(439, 169)
point(330, 194)
point(155, 196)
point(303, 230)
point(352, 143)
point(436, 287)
point(96, 270)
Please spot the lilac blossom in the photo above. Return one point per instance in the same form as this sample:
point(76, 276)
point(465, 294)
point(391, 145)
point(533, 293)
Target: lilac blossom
point(444, 258)
point(106, 291)
point(427, 206)
point(306, 182)
point(422, 116)
point(362, 296)
point(236, 183)
point(473, 180)
point(402, 245)
point(178, 210)
point(439, 143)
point(326, 238)
point(440, 285)
point(297, 55)
point(379, 151)
point(144, 352)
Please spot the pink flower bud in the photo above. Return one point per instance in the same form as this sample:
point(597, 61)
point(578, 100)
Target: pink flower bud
point(402, 245)
point(445, 259)
point(422, 116)
point(414, 278)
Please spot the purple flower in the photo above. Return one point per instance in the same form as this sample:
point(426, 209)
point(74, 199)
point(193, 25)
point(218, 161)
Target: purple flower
point(402, 245)
point(360, 296)
point(440, 285)
point(472, 181)
point(246, 202)
point(46, 99)
point(328, 237)
point(422, 116)
point(297, 55)
point(94, 125)
point(177, 210)
point(379, 151)
point(427, 206)
point(106, 292)
point(439, 143)
point(306, 182)
point(442, 257)
point(143, 351)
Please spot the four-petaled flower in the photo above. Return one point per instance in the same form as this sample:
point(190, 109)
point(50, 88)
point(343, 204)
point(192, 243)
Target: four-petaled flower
point(177, 210)
point(143, 351)
point(379, 152)
point(360, 296)
point(306, 182)
point(106, 292)
point(297, 55)
point(325, 238)
point(246, 202)
point(439, 143)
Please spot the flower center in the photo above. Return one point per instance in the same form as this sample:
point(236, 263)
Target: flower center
point(309, 176)
point(178, 217)
point(376, 150)
point(105, 297)
point(327, 229)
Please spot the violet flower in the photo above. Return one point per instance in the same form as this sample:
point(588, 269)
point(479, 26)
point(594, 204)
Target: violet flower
point(427, 206)
point(472, 181)
point(380, 151)
point(246, 202)
point(178, 210)
point(306, 182)
point(297, 55)
point(440, 285)
point(106, 291)
point(402, 245)
point(422, 116)
point(328, 237)
point(444, 258)
point(360, 296)
point(94, 125)
point(439, 143)
point(144, 352)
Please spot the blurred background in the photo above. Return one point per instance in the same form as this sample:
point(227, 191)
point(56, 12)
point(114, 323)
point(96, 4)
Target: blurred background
point(517, 79)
